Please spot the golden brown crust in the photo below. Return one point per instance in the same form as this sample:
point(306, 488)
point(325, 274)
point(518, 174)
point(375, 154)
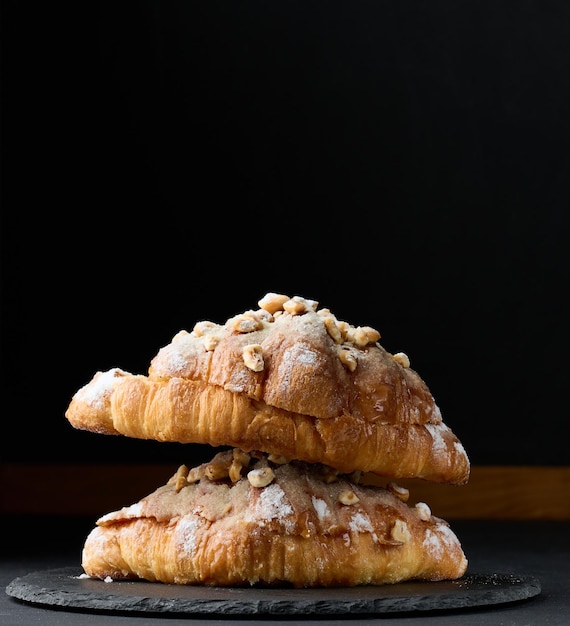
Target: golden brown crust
point(288, 379)
point(192, 412)
point(307, 527)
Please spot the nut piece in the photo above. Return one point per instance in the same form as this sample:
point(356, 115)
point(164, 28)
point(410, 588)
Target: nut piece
point(402, 359)
point(277, 459)
point(345, 329)
point(348, 497)
point(217, 470)
point(423, 511)
point(210, 342)
point(179, 479)
point(240, 456)
point(298, 305)
point(347, 359)
point(202, 327)
point(179, 335)
point(235, 471)
point(362, 336)
point(400, 532)
point(261, 477)
point(332, 329)
point(272, 302)
point(253, 357)
point(400, 492)
point(247, 322)
point(195, 474)
point(239, 460)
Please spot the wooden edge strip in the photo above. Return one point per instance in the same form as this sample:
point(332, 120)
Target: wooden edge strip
point(498, 492)
point(493, 492)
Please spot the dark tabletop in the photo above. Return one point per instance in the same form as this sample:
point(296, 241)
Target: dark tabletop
point(535, 549)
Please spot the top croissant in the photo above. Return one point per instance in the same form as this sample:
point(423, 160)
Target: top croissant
point(288, 379)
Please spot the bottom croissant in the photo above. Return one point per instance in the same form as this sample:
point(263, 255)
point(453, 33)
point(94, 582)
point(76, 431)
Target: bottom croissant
point(249, 520)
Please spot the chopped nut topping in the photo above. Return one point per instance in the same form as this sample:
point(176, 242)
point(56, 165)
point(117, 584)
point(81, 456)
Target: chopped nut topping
point(264, 315)
point(362, 336)
point(217, 470)
point(402, 359)
point(246, 322)
point(277, 459)
point(298, 305)
point(423, 511)
point(295, 306)
point(195, 474)
point(201, 327)
point(373, 334)
point(179, 335)
point(210, 342)
point(347, 359)
point(241, 456)
point(272, 302)
point(235, 471)
point(253, 357)
point(240, 460)
point(344, 328)
point(400, 531)
point(332, 329)
point(357, 337)
point(348, 497)
point(400, 492)
point(179, 479)
point(369, 334)
point(261, 477)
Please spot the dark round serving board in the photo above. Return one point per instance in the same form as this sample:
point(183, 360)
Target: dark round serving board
point(64, 587)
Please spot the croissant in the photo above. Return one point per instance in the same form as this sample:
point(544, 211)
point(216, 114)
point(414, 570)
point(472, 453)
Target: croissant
point(256, 519)
point(287, 378)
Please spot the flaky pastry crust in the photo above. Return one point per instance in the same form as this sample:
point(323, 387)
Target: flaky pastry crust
point(288, 379)
point(258, 520)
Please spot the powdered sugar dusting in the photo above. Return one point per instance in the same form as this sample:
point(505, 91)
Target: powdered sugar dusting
point(436, 413)
point(436, 431)
point(321, 508)
point(435, 541)
point(360, 523)
point(186, 534)
point(135, 510)
point(99, 389)
point(306, 357)
point(240, 381)
point(447, 535)
point(272, 504)
point(175, 362)
point(459, 447)
point(432, 544)
point(296, 356)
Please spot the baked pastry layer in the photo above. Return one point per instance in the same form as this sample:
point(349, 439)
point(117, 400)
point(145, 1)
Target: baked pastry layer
point(258, 520)
point(289, 379)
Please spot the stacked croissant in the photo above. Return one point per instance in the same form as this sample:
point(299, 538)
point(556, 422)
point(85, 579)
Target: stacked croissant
point(304, 407)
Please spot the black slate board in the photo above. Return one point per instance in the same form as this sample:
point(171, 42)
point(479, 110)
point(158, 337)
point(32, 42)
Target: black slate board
point(65, 588)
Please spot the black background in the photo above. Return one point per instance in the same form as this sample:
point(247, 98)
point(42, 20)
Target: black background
point(406, 164)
